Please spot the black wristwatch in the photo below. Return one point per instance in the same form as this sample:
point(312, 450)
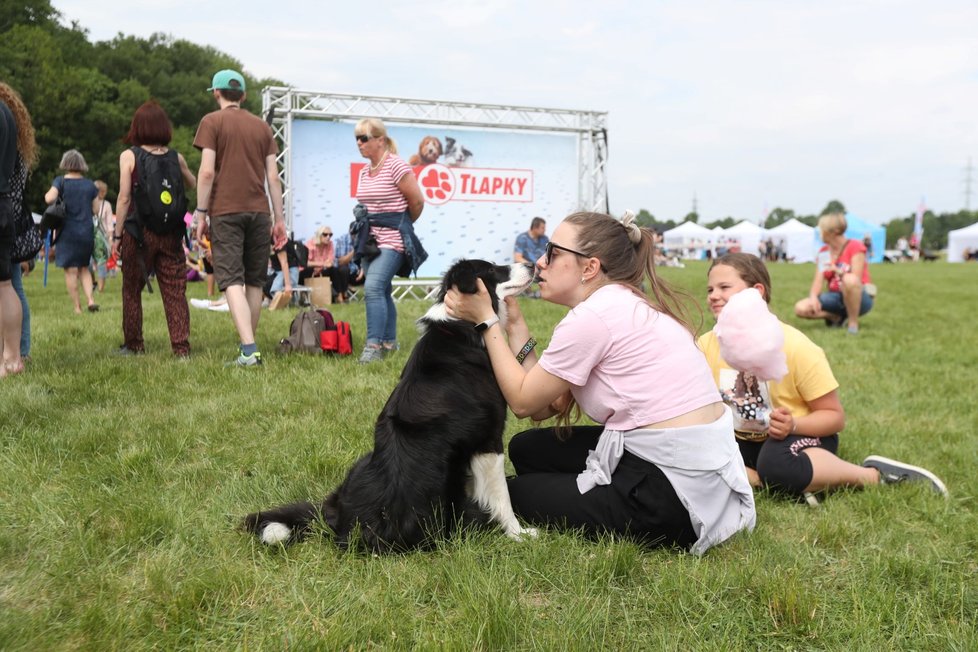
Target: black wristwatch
point(484, 326)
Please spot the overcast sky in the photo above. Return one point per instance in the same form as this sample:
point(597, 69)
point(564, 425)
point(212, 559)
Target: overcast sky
point(747, 105)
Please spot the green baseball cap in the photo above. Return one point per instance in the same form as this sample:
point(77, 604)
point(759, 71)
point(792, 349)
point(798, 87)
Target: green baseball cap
point(227, 80)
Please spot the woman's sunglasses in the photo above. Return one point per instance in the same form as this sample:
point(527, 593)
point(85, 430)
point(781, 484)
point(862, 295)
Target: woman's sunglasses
point(362, 138)
point(548, 256)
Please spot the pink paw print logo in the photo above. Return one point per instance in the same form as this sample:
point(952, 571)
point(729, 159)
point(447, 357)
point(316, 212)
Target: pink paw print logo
point(437, 184)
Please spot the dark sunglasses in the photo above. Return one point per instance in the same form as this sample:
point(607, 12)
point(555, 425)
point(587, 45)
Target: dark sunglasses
point(362, 138)
point(327, 235)
point(550, 252)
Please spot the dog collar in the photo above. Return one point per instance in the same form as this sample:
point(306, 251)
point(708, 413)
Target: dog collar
point(484, 326)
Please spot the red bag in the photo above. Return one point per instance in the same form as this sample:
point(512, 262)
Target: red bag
point(337, 339)
point(344, 345)
point(329, 341)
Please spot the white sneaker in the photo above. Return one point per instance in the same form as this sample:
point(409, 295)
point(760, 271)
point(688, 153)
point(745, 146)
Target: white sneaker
point(219, 308)
point(895, 472)
point(200, 303)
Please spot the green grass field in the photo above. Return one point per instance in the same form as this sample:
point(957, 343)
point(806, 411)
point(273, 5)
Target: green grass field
point(121, 481)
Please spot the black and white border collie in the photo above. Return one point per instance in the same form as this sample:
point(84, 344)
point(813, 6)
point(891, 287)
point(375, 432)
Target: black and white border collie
point(438, 442)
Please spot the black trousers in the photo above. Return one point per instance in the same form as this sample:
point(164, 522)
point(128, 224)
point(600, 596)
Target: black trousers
point(640, 503)
point(781, 465)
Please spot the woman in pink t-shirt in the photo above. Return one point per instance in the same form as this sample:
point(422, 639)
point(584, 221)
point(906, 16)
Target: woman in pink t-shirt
point(389, 193)
point(843, 267)
point(662, 467)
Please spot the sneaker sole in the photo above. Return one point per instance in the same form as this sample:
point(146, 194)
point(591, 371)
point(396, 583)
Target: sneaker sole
point(909, 467)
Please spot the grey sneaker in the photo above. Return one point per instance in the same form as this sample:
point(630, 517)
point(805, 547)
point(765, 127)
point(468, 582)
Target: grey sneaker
point(253, 360)
point(894, 472)
point(371, 354)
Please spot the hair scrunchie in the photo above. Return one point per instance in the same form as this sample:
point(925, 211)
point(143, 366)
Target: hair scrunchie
point(633, 230)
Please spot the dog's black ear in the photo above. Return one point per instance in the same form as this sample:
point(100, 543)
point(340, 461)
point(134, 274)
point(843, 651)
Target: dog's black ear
point(466, 152)
point(449, 141)
point(462, 275)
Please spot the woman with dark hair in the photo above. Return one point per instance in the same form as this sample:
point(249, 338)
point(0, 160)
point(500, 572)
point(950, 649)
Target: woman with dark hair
point(18, 154)
point(662, 468)
point(141, 249)
point(76, 241)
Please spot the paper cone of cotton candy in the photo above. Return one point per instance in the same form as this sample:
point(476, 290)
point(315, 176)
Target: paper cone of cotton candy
point(750, 336)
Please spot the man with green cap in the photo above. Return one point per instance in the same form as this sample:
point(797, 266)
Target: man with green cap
point(238, 155)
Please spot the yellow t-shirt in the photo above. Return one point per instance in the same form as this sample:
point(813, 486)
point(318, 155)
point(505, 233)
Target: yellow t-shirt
point(809, 375)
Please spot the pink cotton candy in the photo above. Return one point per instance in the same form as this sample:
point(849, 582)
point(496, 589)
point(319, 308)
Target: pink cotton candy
point(750, 336)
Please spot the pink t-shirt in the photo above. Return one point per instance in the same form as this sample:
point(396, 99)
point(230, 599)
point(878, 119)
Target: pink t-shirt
point(629, 364)
point(380, 194)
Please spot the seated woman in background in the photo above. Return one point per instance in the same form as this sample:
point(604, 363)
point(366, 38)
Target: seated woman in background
point(796, 452)
point(843, 266)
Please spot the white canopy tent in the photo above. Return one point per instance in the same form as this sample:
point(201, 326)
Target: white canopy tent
point(748, 234)
point(687, 234)
point(959, 240)
point(799, 240)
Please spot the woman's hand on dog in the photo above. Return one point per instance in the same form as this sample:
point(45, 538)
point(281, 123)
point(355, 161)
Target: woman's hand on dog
point(475, 308)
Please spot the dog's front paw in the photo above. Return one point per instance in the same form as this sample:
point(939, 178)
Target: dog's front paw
point(523, 532)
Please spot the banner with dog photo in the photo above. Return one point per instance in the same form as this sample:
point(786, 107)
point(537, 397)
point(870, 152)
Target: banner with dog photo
point(482, 187)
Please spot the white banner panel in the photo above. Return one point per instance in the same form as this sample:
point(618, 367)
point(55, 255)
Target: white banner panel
point(480, 193)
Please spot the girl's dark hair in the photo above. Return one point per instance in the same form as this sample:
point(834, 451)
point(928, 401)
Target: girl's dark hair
point(750, 268)
point(150, 126)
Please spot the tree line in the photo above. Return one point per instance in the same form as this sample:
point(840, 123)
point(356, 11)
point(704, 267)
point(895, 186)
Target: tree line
point(82, 95)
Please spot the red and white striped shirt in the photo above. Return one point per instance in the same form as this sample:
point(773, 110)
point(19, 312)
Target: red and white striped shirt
point(379, 194)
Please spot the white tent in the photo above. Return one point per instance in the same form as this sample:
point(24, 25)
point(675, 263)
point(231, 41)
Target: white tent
point(687, 234)
point(748, 234)
point(959, 240)
point(799, 240)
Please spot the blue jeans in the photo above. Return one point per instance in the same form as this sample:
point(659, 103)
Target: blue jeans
point(25, 325)
point(832, 302)
point(377, 288)
point(278, 283)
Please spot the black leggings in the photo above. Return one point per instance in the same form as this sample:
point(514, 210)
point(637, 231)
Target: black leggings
point(640, 503)
point(781, 465)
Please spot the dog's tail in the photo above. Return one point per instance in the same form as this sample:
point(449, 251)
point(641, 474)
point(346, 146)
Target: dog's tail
point(285, 524)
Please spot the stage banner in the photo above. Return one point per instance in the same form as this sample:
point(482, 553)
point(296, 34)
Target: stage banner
point(482, 187)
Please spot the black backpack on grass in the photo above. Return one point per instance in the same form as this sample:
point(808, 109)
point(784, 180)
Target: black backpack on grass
point(158, 192)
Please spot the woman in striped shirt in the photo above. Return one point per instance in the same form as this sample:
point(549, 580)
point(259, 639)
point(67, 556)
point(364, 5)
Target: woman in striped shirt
point(389, 192)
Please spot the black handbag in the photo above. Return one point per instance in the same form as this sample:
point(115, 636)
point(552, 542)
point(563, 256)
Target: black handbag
point(27, 238)
point(54, 216)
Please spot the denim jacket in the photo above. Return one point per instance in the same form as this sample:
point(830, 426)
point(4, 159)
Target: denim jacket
point(414, 253)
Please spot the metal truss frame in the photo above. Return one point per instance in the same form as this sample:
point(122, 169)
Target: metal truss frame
point(281, 106)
